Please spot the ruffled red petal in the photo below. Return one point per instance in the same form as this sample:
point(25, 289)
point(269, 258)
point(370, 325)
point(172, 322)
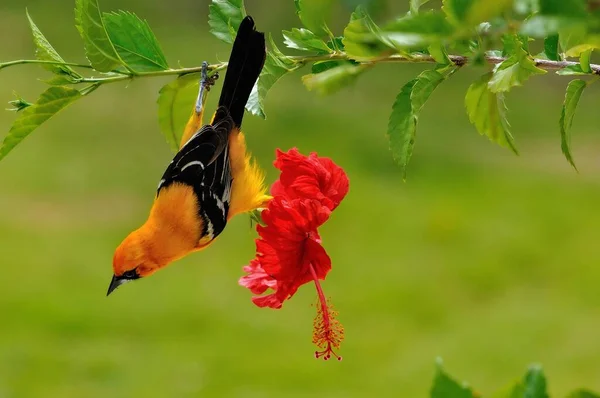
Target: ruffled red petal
point(310, 177)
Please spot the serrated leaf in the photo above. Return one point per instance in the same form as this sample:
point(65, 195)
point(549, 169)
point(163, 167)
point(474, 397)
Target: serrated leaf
point(333, 79)
point(51, 101)
point(314, 13)
point(468, 13)
point(305, 40)
point(45, 52)
point(416, 4)
point(362, 40)
point(445, 386)
point(487, 112)
point(572, 96)
point(98, 48)
point(583, 394)
point(551, 48)
point(175, 105)
point(276, 66)
point(514, 70)
point(402, 125)
point(134, 41)
point(224, 18)
point(417, 30)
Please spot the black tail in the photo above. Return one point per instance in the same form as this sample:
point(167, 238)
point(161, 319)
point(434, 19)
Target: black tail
point(245, 64)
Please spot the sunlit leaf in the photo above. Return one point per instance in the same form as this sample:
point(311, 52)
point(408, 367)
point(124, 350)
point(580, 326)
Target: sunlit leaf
point(571, 70)
point(134, 41)
point(572, 96)
point(467, 13)
point(45, 52)
point(333, 79)
point(305, 40)
point(402, 125)
point(487, 112)
point(276, 66)
point(445, 386)
point(175, 105)
point(362, 39)
point(51, 101)
point(314, 13)
point(224, 18)
point(98, 48)
point(418, 30)
point(513, 71)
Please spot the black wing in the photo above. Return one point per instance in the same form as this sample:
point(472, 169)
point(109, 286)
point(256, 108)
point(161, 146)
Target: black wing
point(203, 164)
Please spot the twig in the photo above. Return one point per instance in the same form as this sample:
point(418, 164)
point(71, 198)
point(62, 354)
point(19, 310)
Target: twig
point(299, 60)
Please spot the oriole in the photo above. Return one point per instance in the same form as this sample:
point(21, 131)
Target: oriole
point(210, 179)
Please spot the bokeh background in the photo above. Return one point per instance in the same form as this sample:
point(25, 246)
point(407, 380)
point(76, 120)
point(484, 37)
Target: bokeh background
point(484, 258)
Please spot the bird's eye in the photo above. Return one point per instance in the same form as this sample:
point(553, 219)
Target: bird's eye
point(131, 274)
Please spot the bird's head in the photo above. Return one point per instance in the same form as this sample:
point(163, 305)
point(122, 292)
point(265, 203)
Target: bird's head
point(131, 261)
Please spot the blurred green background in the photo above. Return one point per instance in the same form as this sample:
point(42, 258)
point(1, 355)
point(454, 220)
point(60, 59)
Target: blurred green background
point(484, 258)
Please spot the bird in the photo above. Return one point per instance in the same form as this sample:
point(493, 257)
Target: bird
point(211, 178)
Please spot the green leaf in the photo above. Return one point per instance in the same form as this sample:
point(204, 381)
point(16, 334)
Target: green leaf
point(51, 101)
point(362, 39)
point(305, 40)
point(535, 383)
point(572, 96)
point(175, 105)
point(541, 26)
point(416, 4)
point(487, 112)
point(439, 54)
point(563, 8)
point(98, 48)
point(551, 48)
point(224, 18)
point(571, 70)
point(276, 66)
point(468, 13)
point(333, 79)
point(45, 52)
point(584, 60)
point(581, 393)
point(322, 66)
point(445, 386)
point(417, 30)
point(134, 41)
point(514, 70)
point(402, 125)
point(313, 14)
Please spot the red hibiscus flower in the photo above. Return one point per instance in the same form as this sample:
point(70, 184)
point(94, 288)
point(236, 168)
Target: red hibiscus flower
point(289, 251)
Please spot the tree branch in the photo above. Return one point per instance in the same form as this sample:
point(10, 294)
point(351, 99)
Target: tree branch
point(300, 60)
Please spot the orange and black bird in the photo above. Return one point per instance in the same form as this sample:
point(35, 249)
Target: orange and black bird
point(211, 178)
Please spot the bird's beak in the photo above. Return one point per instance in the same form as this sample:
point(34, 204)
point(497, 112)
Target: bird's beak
point(115, 283)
